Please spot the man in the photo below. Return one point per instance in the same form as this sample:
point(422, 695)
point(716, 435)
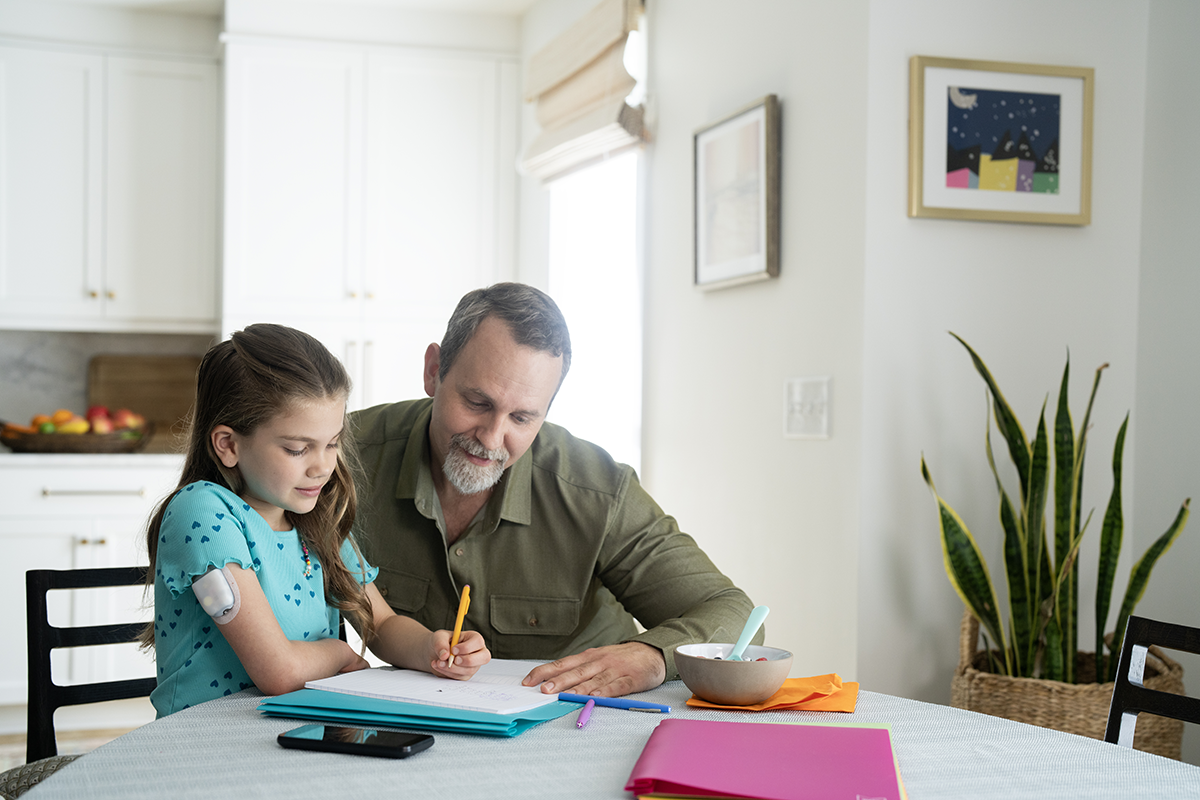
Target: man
point(561, 546)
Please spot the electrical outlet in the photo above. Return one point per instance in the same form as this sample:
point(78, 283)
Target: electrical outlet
point(806, 408)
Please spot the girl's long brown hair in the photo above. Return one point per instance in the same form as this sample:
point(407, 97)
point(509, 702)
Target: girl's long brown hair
point(244, 382)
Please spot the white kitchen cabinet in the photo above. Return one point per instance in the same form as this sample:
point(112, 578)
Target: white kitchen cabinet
point(51, 175)
point(108, 169)
point(76, 512)
point(367, 190)
point(161, 193)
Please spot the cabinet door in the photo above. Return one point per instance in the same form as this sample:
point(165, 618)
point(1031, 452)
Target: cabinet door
point(433, 161)
point(51, 171)
point(161, 190)
point(111, 543)
point(393, 357)
point(32, 544)
point(293, 179)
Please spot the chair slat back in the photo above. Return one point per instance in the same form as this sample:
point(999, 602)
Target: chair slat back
point(45, 696)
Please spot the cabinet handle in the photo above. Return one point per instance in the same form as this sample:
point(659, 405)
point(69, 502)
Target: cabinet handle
point(48, 492)
point(98, 541)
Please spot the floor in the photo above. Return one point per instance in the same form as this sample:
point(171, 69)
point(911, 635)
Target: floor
point(12, 747)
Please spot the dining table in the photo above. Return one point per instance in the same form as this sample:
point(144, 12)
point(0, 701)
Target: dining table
point(226, 748)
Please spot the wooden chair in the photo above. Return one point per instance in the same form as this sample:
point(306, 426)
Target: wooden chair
point(1129, 696)
point(46, 696)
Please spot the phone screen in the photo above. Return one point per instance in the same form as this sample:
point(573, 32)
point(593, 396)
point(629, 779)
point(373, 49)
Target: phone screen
point(359, 741)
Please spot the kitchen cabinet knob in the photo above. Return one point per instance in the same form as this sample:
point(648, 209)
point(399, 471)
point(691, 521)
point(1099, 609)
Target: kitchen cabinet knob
point(112, 295)
point(353, 295)
point(93, 294)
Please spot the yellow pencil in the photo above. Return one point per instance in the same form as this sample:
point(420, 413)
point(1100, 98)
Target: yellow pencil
point(458, 623)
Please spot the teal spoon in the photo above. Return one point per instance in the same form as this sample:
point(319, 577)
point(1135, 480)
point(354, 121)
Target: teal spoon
point(753, 623)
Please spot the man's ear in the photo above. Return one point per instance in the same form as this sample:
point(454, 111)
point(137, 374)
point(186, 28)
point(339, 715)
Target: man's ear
point(224, 442)
point(433, 361)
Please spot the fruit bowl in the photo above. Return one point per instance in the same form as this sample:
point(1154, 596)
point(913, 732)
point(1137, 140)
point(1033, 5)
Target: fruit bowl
point(705, 670)
point(122, 441)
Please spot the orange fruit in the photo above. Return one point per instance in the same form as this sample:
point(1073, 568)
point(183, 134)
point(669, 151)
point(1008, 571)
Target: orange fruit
point(62, 415)
point(38, 419)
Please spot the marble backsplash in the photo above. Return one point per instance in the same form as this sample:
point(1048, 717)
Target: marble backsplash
point(42, 371)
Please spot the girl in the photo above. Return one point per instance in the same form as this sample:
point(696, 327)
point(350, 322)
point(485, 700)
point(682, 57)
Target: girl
point(252, 557)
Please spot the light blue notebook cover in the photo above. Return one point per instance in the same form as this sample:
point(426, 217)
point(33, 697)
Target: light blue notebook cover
point(351, 709)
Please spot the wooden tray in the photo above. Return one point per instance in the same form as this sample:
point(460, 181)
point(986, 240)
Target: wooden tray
point(127, 441)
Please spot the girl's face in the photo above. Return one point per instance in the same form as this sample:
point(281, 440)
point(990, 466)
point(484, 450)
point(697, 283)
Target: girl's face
point(286, 462)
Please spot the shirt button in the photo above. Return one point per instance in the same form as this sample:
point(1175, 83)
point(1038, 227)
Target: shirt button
point(533, 622)
point(383, 591)
point(459, 551)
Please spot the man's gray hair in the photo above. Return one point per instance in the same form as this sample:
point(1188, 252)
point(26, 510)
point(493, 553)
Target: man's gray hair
point(532, 317)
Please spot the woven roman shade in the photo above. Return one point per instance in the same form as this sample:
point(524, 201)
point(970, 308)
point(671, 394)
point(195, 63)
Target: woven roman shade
point(580, 83)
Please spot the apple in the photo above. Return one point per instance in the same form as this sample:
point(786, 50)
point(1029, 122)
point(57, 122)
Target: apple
point(97, 411)
point(124, 418)
point(102, 424)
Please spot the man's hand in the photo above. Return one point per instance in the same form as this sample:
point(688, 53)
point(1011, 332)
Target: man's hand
point(611, 671)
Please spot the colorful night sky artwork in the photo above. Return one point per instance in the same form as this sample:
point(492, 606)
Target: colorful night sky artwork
point(1002, 141)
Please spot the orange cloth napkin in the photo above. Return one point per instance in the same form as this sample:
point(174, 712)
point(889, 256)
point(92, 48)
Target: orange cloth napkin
point(819, 693)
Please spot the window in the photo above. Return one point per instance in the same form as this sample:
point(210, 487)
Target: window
point(594, 278)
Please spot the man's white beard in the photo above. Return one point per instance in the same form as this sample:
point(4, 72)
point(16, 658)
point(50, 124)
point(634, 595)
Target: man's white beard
point(469, 478)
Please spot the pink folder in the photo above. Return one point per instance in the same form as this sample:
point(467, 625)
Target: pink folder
point(701, 758)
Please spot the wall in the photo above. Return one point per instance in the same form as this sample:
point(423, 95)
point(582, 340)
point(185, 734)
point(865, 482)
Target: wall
point(1022, 295)
point(372, 23)
point(780, 517)
point(1167, 453)
point(144, 31)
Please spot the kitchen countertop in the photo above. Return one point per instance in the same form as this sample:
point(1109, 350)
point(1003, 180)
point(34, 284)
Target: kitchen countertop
point(8, 458)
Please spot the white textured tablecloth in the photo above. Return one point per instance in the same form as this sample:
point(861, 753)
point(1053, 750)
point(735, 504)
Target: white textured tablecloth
point(226, 749)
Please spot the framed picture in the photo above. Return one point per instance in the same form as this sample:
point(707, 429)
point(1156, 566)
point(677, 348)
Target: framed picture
point(992, 140)
point(737, 197)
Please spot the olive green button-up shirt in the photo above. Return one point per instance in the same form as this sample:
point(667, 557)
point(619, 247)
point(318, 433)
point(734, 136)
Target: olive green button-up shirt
point(567, 553)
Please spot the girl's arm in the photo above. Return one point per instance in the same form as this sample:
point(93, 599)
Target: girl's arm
point(276, 664)
point(404, 642)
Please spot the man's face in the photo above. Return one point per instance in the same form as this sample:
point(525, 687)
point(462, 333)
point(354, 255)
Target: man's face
point(490, 406)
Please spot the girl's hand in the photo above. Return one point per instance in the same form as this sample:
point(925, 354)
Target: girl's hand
point(469, 654)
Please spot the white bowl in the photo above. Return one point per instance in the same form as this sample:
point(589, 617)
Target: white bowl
point(706, 670)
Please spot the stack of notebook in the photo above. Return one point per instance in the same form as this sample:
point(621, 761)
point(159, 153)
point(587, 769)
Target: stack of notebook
point(689, 758)
point(493, 702)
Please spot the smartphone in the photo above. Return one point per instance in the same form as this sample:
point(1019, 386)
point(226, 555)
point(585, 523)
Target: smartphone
point(359, 741)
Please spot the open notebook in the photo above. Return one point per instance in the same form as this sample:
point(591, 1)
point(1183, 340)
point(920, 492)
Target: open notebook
point(496, 688)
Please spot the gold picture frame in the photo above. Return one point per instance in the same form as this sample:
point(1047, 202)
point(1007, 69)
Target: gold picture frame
point(736, 200)
point(1000, 141)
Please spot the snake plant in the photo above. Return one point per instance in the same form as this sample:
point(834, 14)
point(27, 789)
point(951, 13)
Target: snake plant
point(1043, 585)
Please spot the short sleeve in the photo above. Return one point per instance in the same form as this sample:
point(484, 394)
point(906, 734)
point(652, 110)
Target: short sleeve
point(204, 526)
point(363, 572)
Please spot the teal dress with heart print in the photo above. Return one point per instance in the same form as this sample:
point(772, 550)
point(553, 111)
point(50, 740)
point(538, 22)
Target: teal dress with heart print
point(205, 526)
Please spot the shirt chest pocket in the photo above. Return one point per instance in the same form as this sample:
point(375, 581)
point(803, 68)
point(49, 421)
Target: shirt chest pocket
point(402, 591)
point(534, 616)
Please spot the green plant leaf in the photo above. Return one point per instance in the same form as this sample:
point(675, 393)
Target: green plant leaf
point(1110, 549)
point(1065, 518)
point(1034, 514)
point(1140, 576)
point(967, 569)
point(1021, 610)
point(1006, 420)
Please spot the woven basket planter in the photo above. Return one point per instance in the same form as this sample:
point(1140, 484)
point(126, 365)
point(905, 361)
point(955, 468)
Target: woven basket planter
point(1080, 708)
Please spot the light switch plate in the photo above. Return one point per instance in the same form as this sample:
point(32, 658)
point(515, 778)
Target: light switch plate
point(806, 408)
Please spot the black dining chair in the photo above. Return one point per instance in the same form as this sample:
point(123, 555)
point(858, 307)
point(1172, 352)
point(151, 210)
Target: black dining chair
point(46, 696)
point(1130, 697)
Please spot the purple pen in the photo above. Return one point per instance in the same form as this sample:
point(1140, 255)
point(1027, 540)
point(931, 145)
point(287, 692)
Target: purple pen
point(586, 714)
